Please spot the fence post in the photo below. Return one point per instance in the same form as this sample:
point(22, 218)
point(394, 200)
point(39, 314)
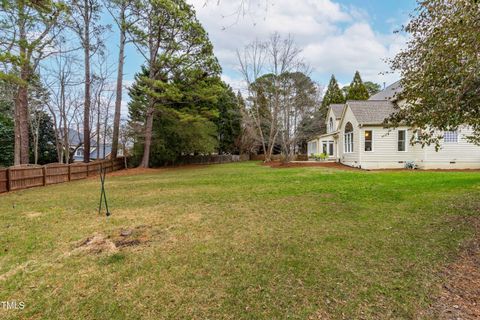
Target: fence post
point(69, 173)
point(8, 179)
point(88, 169)
point(44, 171)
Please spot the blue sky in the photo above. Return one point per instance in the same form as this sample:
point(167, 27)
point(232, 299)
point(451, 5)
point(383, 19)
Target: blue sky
point(337, 37)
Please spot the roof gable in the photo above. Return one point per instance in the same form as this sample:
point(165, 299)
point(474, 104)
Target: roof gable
point(390, 93)
point(371, 111)
point(337, 110)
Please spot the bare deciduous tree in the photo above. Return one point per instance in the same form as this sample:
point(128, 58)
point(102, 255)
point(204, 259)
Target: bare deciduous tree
point(264, 66)
point(64, 102)
point(119, 10)
point(84, 22)
point(300, 97)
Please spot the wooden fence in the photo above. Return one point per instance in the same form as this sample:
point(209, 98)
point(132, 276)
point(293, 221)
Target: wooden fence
point(279, 157)
point(28, 176)
point(212, 159)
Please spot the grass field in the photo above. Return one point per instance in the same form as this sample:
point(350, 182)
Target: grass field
point(235, 241)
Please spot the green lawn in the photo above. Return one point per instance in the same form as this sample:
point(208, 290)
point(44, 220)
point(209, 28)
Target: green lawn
point(236, 241)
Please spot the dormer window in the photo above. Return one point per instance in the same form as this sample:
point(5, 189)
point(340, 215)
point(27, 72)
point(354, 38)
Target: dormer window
point(330, 125)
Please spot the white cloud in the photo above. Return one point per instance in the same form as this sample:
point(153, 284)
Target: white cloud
point(335, 38)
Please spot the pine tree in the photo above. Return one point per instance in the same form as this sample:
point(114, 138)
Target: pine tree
point(333, 95)
point(357, 89)
point(229, 121)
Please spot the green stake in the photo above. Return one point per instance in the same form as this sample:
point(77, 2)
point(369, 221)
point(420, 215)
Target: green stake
point(103, 194)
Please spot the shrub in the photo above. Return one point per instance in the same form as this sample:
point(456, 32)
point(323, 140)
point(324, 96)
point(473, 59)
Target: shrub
point(411, 165)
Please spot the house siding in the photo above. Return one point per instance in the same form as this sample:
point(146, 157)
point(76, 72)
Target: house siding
point(351, 158)
point(460, 155)
point(336, 121)
point(385, 152)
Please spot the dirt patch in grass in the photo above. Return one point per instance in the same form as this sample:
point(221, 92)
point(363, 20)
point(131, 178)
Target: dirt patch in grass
point(15, 270)
point(331, 165)
point(460, 296)
point(98, 243)
point(101, 244)
point(33, 214)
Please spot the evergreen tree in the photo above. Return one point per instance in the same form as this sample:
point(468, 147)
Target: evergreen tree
point(186, 111)
point(357, 89)
point(229, 121)
point(7, 133)
point(47, 153)
point(6, 139)
point(372, 87)
point(177, 52)
point(333, 95)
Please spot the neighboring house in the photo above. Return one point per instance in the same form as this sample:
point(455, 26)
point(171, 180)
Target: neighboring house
point(75, 141)
point(104, 152)
point(357, 137)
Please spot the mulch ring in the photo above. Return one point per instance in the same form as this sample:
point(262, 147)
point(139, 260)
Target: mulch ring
point(339, 166)
point(302, 164)
point(459, 296)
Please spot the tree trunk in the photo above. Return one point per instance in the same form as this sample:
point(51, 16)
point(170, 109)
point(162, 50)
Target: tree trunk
point(66, 140)
point(98, 127)
point(118, 97)
point(21, 137)
point(148, 138)
point(105, 138)
point(149, 117)
point(35, 143)
point(86, 111)
point(21, 147)
point(17, 144)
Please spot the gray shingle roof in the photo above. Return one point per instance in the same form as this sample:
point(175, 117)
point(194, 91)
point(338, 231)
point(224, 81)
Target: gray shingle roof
point(75, 138)
point(337, 110)
point(390, 93)
point(370, 111)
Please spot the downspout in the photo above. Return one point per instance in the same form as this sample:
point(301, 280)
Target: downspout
point(359, 145)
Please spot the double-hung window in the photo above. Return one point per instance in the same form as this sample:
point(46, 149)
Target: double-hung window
point(450, 136)
point(348, 138)
point(324, 147)
point(368, 140)
point(402, 140)
point(330, 148)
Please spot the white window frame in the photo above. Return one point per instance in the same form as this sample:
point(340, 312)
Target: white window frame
point(404, 141)
point(365, 140)
point(331, 143)
point(348, 142)
point(330, 124)
point(313, 147)
point(450, 137)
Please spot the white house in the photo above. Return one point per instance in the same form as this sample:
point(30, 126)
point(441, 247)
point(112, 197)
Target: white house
point(356, 137)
